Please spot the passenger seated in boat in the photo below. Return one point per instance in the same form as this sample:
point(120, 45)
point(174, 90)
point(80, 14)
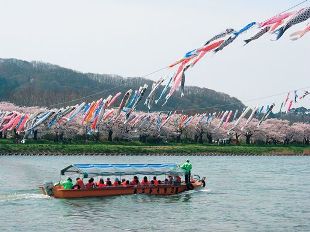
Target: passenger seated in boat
point(177, 181)
point(135, 181)
point(159, 182)
point(67, 184)
point(125, 183)
point(145, 181)
point(155, 181)
point(98, 182)
point(116, 182)
point(166, 181)
point(101, 183)
point(170, 179)
point(90, 184)
point(79, 184)
point(108, 182)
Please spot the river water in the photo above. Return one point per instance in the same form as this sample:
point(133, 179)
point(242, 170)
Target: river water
point(243, 194)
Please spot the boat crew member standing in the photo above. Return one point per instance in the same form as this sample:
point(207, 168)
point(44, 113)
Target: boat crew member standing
point(187, 167)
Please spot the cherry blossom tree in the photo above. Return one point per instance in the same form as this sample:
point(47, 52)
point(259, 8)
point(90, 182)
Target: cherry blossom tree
point(152, 127)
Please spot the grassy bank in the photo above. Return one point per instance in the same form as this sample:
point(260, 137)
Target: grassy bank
point(139, 148)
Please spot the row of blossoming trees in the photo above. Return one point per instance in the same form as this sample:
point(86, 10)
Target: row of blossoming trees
point(154, 127)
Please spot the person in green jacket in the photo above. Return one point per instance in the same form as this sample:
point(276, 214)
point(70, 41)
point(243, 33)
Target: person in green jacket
point(67, 184)
point(187, 167)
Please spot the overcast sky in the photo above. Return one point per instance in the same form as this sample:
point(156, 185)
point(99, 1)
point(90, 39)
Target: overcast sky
point(132, 38)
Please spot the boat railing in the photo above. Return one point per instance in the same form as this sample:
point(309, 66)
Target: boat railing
point(140, 186)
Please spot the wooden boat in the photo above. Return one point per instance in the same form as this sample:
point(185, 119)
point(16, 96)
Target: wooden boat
point(93, 170)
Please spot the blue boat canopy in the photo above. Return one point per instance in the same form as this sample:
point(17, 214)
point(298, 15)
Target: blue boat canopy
point(90, 170)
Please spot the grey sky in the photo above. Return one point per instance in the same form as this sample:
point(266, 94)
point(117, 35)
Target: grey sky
point(132, 38)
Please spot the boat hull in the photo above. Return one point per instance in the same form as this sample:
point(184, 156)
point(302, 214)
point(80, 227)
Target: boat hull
point(59, 192)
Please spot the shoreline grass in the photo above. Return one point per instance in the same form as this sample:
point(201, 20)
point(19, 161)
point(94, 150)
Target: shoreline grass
point(8, 146)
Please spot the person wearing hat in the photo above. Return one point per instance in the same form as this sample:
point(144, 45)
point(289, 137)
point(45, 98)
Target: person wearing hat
point(187, 167)
point(116, 182)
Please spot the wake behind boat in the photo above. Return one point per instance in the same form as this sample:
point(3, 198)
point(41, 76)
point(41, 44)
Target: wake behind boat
point(172, 184)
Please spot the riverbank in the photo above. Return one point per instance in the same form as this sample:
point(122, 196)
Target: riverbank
point(8, 148)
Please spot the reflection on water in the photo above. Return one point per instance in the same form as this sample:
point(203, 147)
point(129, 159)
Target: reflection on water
point(243, 194)
point(95, 206)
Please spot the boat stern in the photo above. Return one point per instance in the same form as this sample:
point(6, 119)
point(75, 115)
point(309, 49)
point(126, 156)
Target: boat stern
point(47, 188)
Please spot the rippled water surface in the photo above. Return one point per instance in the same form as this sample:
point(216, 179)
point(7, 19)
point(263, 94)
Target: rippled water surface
point(243, 194)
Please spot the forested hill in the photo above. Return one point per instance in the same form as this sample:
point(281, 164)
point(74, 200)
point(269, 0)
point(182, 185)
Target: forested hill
point(41, 84)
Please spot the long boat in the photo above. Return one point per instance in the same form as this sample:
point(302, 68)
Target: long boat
point(119, 170)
